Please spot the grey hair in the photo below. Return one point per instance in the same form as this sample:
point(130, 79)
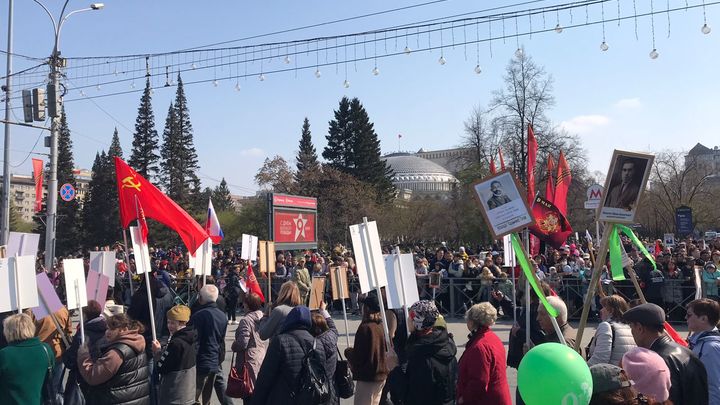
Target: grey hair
point(482, 314)
point(18, 327)
point(560, 307)
point(209, 293)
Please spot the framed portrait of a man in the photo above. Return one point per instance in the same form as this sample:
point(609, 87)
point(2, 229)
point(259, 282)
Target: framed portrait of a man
point(502, 203)
point(625, 182)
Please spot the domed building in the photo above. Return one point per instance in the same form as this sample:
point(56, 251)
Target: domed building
point(416, 177)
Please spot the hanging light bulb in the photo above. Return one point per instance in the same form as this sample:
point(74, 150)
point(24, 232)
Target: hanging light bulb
point(152, 91)
point(346, 84)
point(654, 54)
point(115, 72)
point(193, 66)
point(215, 83)
point(558, 28)
point(318, 73)
point(132, 85)
point(237, 86)
point(98, 88)
point(604, 46)
point(518, 52)
point(262, 77)
point(407, 50)
point(82, 93)
point(442, 60)
point(478, 69)
point(286, 60)
point(705, 29)
point(375, 71)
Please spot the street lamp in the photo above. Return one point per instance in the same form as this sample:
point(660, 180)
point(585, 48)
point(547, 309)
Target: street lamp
point(56, 63)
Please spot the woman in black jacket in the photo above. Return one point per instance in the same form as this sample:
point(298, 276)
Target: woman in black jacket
point(324, 330)
point(280, 372)
point(95, 327)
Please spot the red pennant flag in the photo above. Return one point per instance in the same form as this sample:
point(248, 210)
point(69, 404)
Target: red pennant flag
point(142, 222)
point(252, 283)
point(550, 225)
point(564, 178)
point(550, 180)
point(493, 170)
point(38, 177)
point(532, 148)
point(157, 206)
point(502, 161)
point(674, 335)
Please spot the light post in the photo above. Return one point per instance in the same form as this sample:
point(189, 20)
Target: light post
point(56, 62)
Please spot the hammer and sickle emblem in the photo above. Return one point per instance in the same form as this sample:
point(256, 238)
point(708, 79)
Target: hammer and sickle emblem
point(129, 181)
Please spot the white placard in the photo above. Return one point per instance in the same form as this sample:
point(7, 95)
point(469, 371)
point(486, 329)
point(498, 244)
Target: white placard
point(18, 273)
point(249, 247)
point(203, 259)
point(394, 291)
point(75, 276)
point(22, 244)
point(508, 252)
point(140, 249)
point(669, 239)
point(363, 244)
point(104, 263)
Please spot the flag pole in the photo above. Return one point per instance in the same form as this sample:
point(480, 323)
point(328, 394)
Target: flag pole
point(602, 254)
point(82, 321)
point(147, 274)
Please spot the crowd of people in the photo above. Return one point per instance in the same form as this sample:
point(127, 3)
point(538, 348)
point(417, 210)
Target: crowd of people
point(287, 353)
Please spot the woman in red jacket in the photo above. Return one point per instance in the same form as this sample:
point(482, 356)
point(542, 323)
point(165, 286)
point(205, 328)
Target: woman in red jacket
point(482, 378)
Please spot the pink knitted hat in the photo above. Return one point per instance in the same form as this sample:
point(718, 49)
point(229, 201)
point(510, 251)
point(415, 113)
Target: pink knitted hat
point(649, 373)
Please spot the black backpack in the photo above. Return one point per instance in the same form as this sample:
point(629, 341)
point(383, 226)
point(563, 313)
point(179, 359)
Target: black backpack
point(312, 387)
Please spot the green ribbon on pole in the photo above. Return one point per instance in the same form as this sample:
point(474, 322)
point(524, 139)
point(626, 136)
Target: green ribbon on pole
point(525, 265)
point(629, 233)
point(615, 247)
point(616, 250)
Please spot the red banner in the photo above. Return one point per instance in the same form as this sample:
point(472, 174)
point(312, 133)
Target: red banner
point(550, 226)
point(283, 200)
point(294, 227)
point(38, 177)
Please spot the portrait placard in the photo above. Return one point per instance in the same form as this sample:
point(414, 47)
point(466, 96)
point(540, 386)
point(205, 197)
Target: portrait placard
point(502, 203)
point(625, 182)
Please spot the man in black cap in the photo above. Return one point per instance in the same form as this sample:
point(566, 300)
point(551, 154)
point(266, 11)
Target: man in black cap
point(687, 373)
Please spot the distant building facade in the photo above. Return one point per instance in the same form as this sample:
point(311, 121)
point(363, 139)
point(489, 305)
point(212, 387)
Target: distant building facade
point(706, 160)
point(417, 177)
point(453, 160)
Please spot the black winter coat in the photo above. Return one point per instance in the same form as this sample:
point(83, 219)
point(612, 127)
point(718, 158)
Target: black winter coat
point(688, 377)
point(179, 354)
point(95, 336)
point(431, 372)
point(280, 370)
point(129, 386)
point(329, 340)
point(211, 325)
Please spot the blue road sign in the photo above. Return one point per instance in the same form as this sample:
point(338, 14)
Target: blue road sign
point(67, 192)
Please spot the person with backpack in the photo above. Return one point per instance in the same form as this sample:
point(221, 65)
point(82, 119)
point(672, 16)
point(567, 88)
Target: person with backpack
point(613, 338)
point(294, 371)
point(431, 372)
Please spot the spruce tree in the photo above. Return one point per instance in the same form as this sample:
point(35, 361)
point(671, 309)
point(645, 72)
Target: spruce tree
point(338, 151)
point(114, 229)
point(222, 201)
point(94, 207)
point(171, 154)
point(307, 159)
point(144, 157)
point(367, 164)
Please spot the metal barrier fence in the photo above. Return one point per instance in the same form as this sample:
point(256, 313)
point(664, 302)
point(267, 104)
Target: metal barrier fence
point(455, 295)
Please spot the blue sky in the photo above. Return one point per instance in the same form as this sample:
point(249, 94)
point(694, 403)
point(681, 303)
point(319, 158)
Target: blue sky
point(615, 99)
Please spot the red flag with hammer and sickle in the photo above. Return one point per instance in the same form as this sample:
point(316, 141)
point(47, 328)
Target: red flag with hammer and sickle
point(156, 205)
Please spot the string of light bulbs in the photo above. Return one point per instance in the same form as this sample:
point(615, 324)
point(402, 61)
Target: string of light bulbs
point(294, 51)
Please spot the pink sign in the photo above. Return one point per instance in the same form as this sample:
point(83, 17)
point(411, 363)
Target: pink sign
point(97, 286)
point(48, 298)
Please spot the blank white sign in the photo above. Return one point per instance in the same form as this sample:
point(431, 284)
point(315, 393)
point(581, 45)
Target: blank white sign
point(394, 290)
point(18, 273)
point(75, 276)
point(104, 263)
point(368, 255)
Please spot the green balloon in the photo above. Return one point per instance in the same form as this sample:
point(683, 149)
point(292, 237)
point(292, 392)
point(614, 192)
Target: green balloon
point(554, 374)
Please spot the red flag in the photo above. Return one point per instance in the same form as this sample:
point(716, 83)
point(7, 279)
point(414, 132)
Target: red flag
point(564, 178)
point(157, 206)
point(38, 177)
point(532, 148)
point(658, 248)
point(502, 161)
point(252, 283)
point(493, 170)
point(142, 222)
point(550, 181)
point(550, 225)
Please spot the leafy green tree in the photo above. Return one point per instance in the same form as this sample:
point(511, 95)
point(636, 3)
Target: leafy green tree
point(144, 157)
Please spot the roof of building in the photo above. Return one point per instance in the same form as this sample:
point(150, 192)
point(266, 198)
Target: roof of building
point(408, 167)
point(699, 149)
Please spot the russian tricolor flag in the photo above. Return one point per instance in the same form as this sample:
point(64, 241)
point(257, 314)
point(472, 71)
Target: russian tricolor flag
point(212, 226)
